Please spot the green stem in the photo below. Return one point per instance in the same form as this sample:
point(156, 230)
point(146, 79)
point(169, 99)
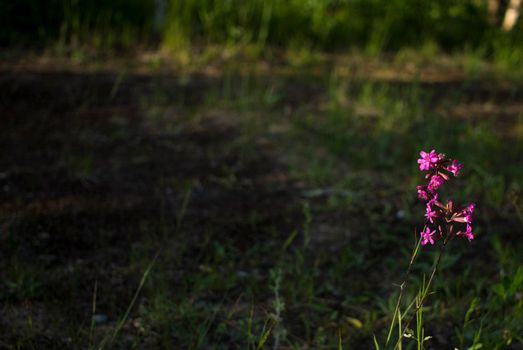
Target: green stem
point(425, 291)
point(403, 286)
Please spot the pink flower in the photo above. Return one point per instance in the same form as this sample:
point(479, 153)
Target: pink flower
point(435, 182)
point(468, 233)
point(422, 193)
point(433, 200)
point(430, 214)
point(426, 235)
point(470, 208)
point(455, 167)
point(467, 212)
point(427, 160)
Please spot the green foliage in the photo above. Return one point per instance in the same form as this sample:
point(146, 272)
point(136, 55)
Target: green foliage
point(373, 25)
point(98, 23)
point(331, 24)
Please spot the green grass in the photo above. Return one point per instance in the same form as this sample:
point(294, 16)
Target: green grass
point(282, 205)
point(82, 28)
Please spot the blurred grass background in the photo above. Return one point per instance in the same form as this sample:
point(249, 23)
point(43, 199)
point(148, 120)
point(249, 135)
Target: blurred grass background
point(326, 25)
point(268, 150)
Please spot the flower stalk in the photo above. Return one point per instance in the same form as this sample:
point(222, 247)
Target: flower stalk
point(443, 222)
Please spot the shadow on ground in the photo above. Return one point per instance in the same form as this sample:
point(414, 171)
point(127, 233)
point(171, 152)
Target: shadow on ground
point(100, 171)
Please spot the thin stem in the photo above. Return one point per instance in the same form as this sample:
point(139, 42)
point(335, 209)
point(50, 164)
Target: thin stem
point(93, 309)
point(425, 291)
point(122, 321)
point(403, 286)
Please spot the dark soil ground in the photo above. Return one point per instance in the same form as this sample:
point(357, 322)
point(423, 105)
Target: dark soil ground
point(100, 171)
point(85, 179)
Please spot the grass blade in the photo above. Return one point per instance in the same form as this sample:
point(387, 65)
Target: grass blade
point(131, 305)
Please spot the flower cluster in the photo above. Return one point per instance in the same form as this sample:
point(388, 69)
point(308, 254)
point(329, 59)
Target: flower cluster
point(443, 221)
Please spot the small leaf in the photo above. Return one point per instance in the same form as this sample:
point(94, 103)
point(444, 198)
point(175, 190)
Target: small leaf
point(499, 289)
point(355, 322)
point(264, 338)
point(290, 239)
point(376, 345)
